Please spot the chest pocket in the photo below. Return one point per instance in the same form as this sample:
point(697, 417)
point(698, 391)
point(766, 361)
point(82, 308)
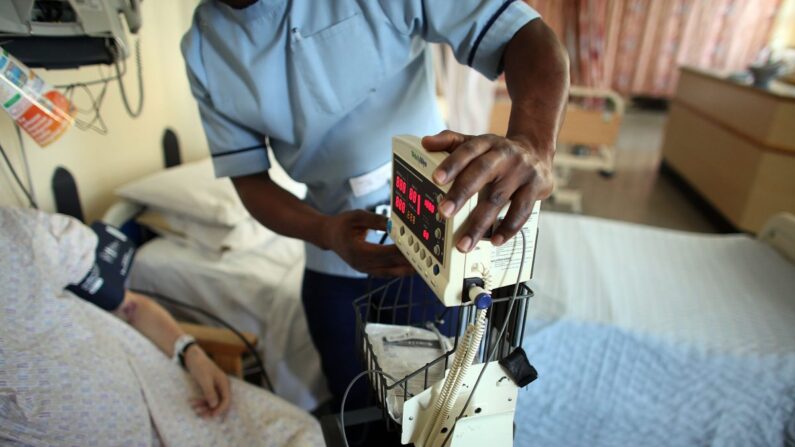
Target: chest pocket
point(339, 65)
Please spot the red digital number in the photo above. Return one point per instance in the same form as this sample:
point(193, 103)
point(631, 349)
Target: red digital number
point(400, 184)
point(426, 235)
point(400, 205)
point(415, 199)
point(430, 206)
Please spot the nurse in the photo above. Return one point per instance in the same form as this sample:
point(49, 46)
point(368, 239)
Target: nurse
point(326, 84)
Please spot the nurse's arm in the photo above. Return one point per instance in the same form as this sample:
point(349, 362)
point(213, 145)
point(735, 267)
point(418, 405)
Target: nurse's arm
point(517, 167)
point(345, 233)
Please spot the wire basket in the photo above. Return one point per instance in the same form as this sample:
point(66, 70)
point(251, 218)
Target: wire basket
point(398, 304)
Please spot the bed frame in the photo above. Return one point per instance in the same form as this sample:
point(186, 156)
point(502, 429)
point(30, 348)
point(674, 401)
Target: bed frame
point(593, 120)
point(779, 233)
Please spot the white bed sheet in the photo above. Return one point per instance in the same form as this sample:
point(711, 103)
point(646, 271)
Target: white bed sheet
point(256, 290)
point(725, 292)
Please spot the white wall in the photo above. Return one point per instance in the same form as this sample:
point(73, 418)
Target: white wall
point(132, 147)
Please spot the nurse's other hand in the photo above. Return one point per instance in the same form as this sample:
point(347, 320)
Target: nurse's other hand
point(345, 234)
point(214, 384)
point(503, 169)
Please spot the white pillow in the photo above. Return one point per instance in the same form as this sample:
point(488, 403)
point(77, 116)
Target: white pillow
point(190, 190)
point(245, 235)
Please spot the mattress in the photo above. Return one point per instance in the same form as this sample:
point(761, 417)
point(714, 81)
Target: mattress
point(255, 290)
point(730, 293)
point(644, 336)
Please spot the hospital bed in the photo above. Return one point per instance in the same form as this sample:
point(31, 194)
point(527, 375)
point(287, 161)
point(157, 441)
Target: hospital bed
point(641, 336)
point(256, 290)
point(647, 336)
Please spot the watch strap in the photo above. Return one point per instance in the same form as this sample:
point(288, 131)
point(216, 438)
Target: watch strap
point(181, 345)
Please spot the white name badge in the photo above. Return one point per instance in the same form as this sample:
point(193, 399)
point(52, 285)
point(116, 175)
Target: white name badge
point(372, 181)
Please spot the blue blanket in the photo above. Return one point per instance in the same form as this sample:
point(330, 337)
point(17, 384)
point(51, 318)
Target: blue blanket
point(603, 386)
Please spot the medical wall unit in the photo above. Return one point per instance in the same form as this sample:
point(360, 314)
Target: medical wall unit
point(57, 34)
point(446, 367)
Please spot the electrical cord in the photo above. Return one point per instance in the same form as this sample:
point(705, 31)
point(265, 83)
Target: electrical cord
point(17, 179)
point(345, 397)
point(102, 80)
point(139, 69)
point(369, 287)
point(252, 350)
point(97, 123)
point(25, 163)
point(499, 339)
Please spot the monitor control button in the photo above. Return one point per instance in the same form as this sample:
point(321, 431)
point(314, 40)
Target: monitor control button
point(428, 261)
point(436, 250)
point(436, 270)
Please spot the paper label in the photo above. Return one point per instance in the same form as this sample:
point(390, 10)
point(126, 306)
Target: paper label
point(44, 113)
point(372, 181)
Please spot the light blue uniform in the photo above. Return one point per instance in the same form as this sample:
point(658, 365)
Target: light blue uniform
point(328, 83)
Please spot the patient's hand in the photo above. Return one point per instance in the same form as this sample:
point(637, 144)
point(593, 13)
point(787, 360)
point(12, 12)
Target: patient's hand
point(212, 381)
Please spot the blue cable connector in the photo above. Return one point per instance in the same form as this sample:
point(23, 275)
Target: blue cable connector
point(480, 296)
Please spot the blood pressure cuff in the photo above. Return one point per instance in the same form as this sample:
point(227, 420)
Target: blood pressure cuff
point(104, 285)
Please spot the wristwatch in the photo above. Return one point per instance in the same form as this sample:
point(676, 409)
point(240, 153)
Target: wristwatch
point(181, 346)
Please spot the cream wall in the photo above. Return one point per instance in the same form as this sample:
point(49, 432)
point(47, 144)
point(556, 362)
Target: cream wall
point(784, 32)
point(132, 147)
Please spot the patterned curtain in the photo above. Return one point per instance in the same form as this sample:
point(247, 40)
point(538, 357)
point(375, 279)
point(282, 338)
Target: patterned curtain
point(636, 46)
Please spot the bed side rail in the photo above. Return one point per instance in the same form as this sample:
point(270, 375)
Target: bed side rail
point(779, 233)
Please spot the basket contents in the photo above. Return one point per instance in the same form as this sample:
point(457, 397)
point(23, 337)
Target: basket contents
point(403, 350)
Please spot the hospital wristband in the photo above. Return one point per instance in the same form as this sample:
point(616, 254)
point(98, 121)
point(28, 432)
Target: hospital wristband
point(181, 346)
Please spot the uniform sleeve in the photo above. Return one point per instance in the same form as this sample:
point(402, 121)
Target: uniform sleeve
point(236, 150)
point(477, 30)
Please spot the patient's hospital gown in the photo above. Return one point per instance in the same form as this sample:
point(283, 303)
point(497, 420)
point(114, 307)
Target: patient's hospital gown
point(73, 374)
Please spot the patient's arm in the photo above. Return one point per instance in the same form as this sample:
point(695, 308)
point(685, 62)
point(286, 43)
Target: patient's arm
point(156, 324)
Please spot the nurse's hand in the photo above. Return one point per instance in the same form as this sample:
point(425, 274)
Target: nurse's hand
point(345, 234)
point(502, 169)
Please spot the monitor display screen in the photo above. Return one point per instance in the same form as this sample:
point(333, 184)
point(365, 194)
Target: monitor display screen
point(414, 199)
